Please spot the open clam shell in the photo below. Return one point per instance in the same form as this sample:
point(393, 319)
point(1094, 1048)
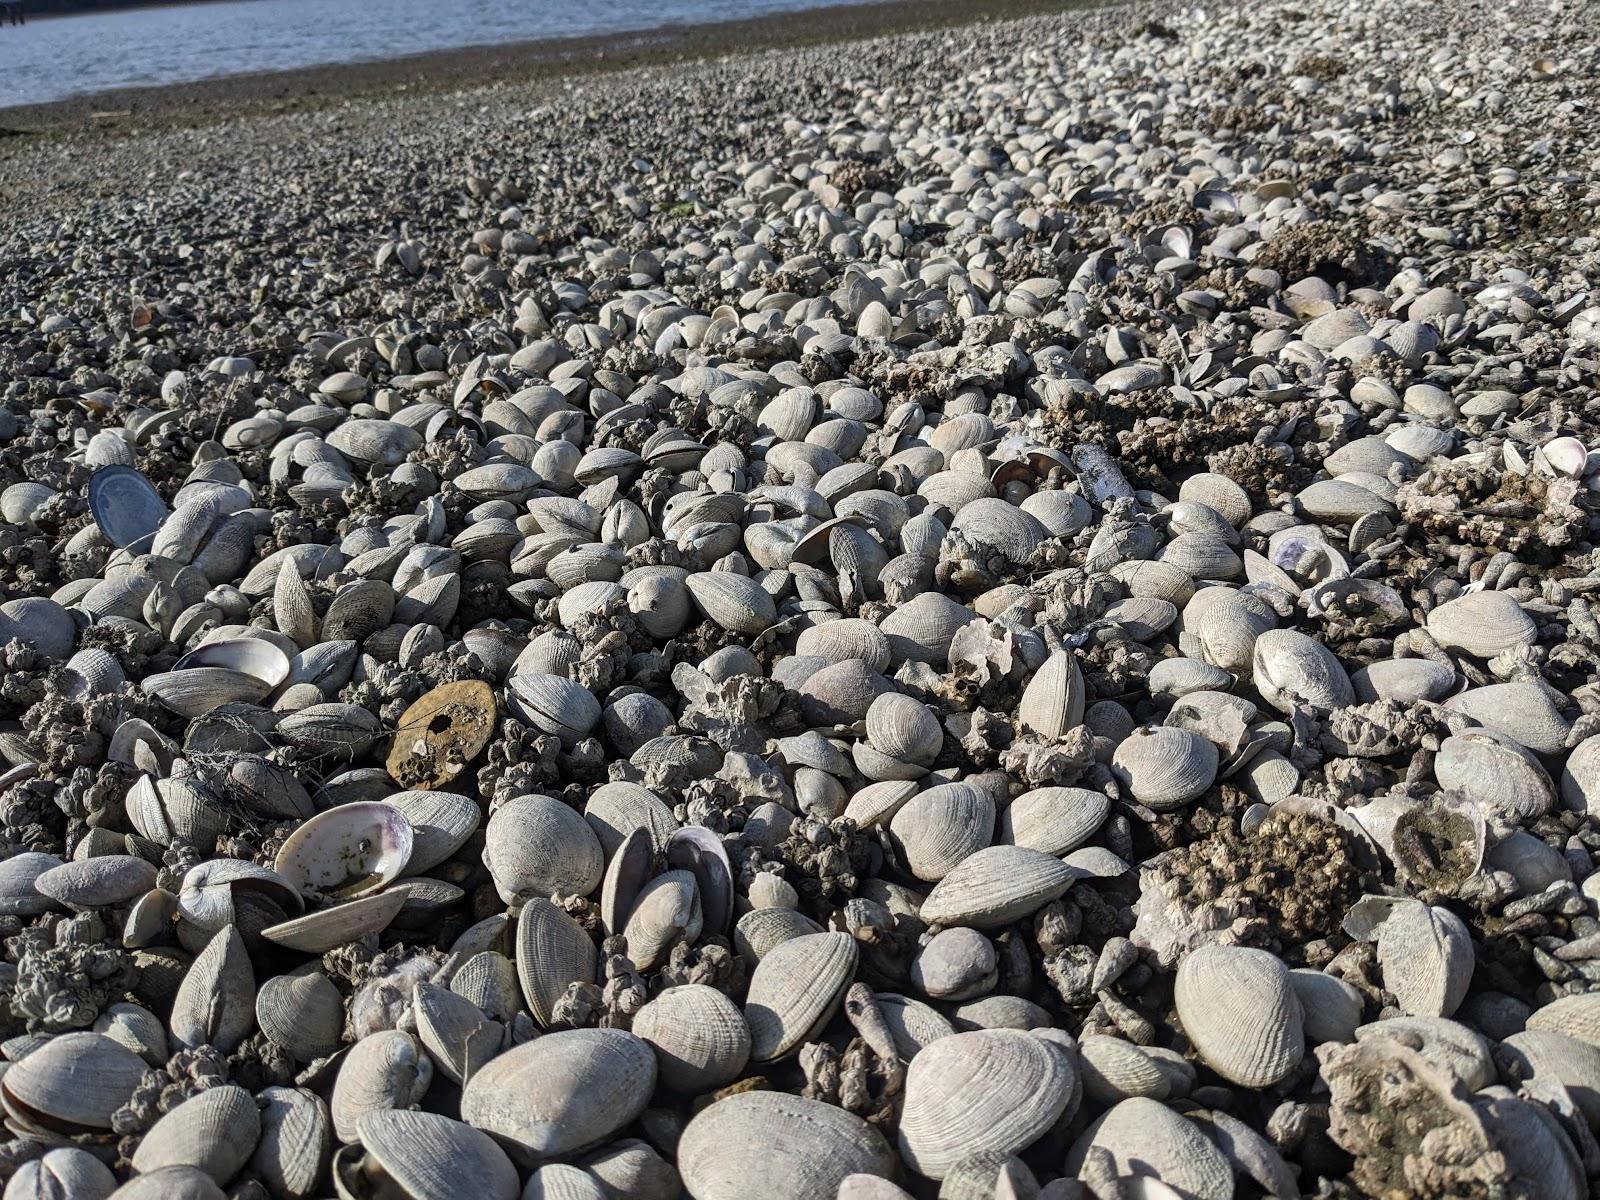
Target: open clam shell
point(126, 505)
point(347, 852)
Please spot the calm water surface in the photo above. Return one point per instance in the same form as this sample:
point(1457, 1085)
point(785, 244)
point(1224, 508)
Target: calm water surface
point(49, 59)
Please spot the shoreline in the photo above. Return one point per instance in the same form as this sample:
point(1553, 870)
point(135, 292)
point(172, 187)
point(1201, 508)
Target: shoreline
point(467, 68)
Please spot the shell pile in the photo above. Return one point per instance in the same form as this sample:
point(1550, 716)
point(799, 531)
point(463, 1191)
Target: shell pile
point(1005, 612)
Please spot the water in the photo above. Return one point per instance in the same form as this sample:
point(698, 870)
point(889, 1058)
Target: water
point(50, 59)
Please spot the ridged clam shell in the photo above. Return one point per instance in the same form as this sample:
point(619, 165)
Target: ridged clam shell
point(380, 443)
point(759, 930)
point(1202, 556)
point(1524, 712)
point(1052, 703)
point(441, 823)
point(1165, 767)
point(18, 896)
point(561, 1092)
point(1174, 678)
point(74, 1079)
point(198, 690)
point(215, 1130)
point(666, 911)
point(922, 628)
point(912, 1023)
point(109, 879)
point(1290, 669)
point(320, 931)
point(938, 828)
point(614, 810)
point(996, 886)
point(1053, 819)
point(1426, 958)
point(729, 1152)
point(1226, 628)
point(904, 728)
point(735, 602)
point(1536, 1054)
point(1577, 1016)
point(431, 1157)
point(795, 989)
point(457, 1035)
point(553, 952)
point(845, 639)
point(1149, 1141)
point(302, 1013)
point(230, 891)
point(877, 803)
point(1000, 526)
point(991, 1091)
point(215, 1004)
point(553, 704)
point(1240, 1013)
point(137, 1028)
point(699, 1036)
point(66, 1173)
point(1482, 624)
point(558, 1181)
point(1114, 1070)
point(296, 1133)
point(384, 1070)
point(535, 846)
point(1502, 777)
point(1220, 493)
point(170, 1183)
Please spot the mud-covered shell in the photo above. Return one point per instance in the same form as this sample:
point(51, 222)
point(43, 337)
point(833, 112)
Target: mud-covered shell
point(699, 1036)
point(561, 1092)
point(1240, 1013)
point(997, 885)
point(795, 989)
point(990, 1091)
point(537, 846)
point(938, 828)
point(1482, 624)
point(1165, 767)
point(1426, 958)
point(1148, 1140)
point(768, 1143)
point(215, 1130)
point(1449, 1045)
point(1055, 820)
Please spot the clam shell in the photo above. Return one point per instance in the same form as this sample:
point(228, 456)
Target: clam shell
point(553, 704)
point(1055, 820)
point(252, 656)
point(1114, 1070)
point(991, 1091)
point(996, 886)
point(384, 1070)
point(1149, 1141)
point(441, 823)
point(349, 851)
point(1536, 1054)
point(938, 828)
point(1504, 779)
point(922, 628)
point(110, 879)
point(296, 1133)
point(195, 691)
point(215, 1004)
point(904, 728)
point(1165, 767)
point(729, 1152)
point(65, 1173)
point(1577, 1016)
point(125, 505)
point(1482, 624)
point(215, 1131)
point(1290, 669)
point(74, 1081)
point(561, 1092)
point(535, 846)
point(458, 1037)
point(1523, 712)
point(758, 931)
point(735, 602)
point(323, 930)
point(1405, 680)
point(614, 810)
point(18, 896)
point(171, 1183)
point(666, 911)
point(699, 1036)
point(302, 1013)
point(1240, 1013)
point(431, 1157)
point(1426, 958)
point(553, 952)
point(912, 1024)
point(557, 1181)
point(795, 989)
point(1053, 701)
